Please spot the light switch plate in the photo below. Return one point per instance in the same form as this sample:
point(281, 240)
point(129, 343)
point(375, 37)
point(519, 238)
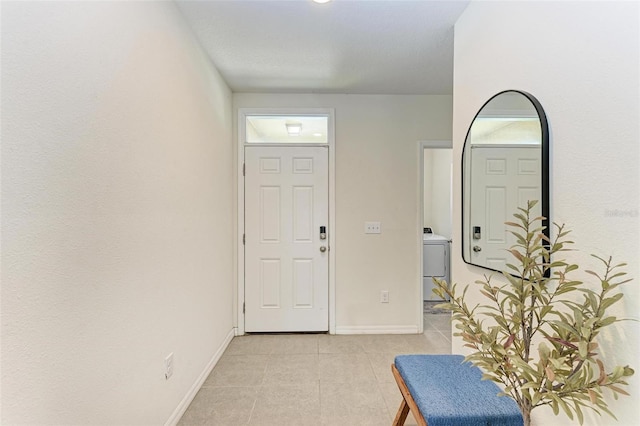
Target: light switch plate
point(372, 228)
point(168, 366)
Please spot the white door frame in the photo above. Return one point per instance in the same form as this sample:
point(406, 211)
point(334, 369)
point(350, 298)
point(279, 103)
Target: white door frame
point(422, 145)
point(242, 114)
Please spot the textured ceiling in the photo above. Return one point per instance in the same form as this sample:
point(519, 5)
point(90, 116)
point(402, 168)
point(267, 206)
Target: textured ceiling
point(346, 46)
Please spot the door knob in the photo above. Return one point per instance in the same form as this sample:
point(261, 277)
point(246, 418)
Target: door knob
point(477, 248)
point(323, 249)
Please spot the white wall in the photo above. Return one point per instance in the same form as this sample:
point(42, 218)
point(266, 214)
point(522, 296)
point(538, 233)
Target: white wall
point(116, 212)
point(377, 179)
point(580, 59)
point(427, 186)
point(437, 190)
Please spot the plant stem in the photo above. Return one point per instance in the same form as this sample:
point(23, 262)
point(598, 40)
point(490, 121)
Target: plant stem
point(526, 415)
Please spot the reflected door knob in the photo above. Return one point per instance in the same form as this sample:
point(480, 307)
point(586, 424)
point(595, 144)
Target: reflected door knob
point(323, 249)
point(477, 248)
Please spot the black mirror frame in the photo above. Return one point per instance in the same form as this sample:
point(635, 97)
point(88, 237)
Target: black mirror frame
point(544, 131)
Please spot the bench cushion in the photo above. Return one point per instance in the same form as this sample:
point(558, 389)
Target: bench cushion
point(450, 392)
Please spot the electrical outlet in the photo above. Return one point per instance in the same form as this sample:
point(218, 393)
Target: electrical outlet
point(384, 296)
point(372, 228)
point(168, 366)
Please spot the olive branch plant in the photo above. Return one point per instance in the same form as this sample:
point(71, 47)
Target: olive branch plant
point(542, 309)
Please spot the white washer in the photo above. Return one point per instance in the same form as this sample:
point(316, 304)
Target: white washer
point(435, 263)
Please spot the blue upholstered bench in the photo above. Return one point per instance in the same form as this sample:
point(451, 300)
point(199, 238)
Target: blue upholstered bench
point(442, 390)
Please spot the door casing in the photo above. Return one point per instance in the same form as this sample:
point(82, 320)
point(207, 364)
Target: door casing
point(240, 258)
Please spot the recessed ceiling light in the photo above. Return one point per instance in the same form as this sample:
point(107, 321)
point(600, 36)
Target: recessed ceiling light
point(321, 1)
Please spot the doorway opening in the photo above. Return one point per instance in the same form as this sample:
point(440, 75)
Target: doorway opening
point(436, 167)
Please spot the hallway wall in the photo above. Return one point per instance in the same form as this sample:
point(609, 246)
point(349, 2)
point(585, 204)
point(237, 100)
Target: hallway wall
point(116, 212)
point(377, 179)
point(581, 61)
point(437, 190)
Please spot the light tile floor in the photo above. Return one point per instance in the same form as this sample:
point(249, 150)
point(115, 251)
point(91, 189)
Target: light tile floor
point(311, 379)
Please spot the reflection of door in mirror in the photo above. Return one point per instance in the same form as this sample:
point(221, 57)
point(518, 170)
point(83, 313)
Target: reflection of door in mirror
point(503, 178)
point(505, 165)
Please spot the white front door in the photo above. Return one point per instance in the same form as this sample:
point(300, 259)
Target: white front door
point(286, 261)
point(503, 179)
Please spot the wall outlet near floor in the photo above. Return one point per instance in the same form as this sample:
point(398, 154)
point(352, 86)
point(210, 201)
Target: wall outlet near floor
point(168, 366)
point(384, 296)
point(372, 228)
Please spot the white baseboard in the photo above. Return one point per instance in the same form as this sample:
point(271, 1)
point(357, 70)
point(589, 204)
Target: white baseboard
point(186, 401)
point(377, 329)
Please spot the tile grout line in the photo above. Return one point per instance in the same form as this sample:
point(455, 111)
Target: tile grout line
point(253, 407)
point(384, 400)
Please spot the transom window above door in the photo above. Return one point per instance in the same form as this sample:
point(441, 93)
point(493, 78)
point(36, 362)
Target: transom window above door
point(306, 129)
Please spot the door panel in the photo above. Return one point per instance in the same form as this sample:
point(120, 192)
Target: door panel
point(270, 283)
point(270, 217)
point(302, 214)
point(286, 274)
point(303, 283)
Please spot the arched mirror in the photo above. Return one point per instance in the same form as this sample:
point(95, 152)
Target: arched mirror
point(505, 163)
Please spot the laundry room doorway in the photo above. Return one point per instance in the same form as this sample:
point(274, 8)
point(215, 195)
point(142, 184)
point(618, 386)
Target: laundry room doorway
point(436, 175)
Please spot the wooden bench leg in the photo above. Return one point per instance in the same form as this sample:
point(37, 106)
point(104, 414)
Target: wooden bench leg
point(407, 402)
point(401, 415)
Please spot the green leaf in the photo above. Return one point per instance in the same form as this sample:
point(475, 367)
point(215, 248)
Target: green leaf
point(579, 413)
point(564, 326)
point(607, 321)
point(544, 351)
point(618, 390)
point(618, 372)
point(582, 349)
point(611, 300)
point(554, 404)
point(514, 224)
point(570, 268)
point(565, 408)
